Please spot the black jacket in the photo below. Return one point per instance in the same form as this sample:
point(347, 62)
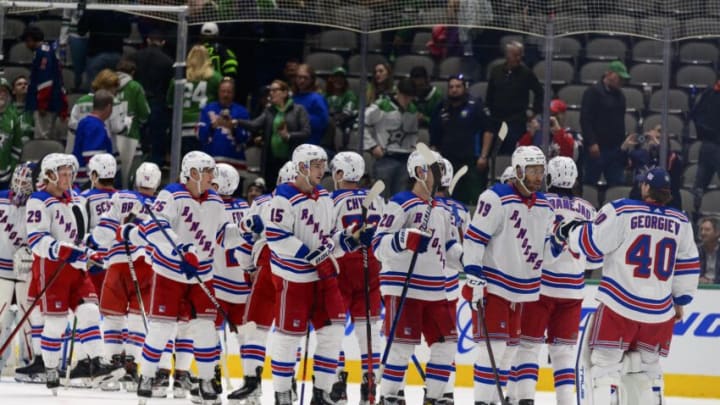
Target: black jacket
point(457, 131)
point(602, 116)
point(508, 93)
point(707, 117)
point(154, 70)
point(106, 29)
point(701, 253)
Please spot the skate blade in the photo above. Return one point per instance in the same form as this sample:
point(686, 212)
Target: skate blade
point(32, 379)
point(180, 394)
point(113, 376)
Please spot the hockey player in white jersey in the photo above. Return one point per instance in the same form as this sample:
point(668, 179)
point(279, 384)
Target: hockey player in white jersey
point(183, 232)
point(412, 223)
point(15, 263)
point(561, 295)
point(299, 235)
point(505, 248)
point(260, 306)
point(650, 271)
point(347, 168)
point(460, 220)
point(55, 222)
point(119, 302)
point(102, 168)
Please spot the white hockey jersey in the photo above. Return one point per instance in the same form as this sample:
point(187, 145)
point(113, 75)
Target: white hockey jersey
point(260, 206)
point(429, 279)
point(51, 220)
point(506, 242)
point(565, 277)
point(297, 224)
point(13, 234)
point(122, 204)
point(97, 202)
point(347, 210)
point(228, 271)
point(460, 218)
point(187, 221)
point(650, 258)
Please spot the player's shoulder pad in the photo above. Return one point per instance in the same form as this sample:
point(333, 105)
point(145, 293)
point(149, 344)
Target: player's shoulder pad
point(457, 205)
point(341, 194)
point(406, 200)
point(502, 190)
point(212, 195)
point(286, 191)
point(41, 195)
point(541, 200)
point(262, 199)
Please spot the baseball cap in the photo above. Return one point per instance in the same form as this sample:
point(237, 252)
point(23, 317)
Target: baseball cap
point(657, 178)
point(209, 29)
point(557, 106)
point(619, 68)
point(339, 71)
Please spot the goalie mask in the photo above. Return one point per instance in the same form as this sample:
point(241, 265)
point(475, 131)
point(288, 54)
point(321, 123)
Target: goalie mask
point(21, 183)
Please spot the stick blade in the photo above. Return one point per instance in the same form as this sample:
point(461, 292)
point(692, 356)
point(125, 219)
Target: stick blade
point(79, 222)
point(377, 188)
point(502, 133)
point(463, 170)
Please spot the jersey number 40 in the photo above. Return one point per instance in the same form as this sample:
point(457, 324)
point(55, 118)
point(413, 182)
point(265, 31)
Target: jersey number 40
point(647, 259)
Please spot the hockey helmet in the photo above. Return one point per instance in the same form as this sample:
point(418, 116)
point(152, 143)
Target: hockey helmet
point(507, 174)
point(287, 173)
point(104, 165)
point(525, 156)
point(227, 179)
point(447, 173)
point(148, 175)
point(195, 160)
point(562, 172)
point(416, 159)
point(305, 154)
point(52, 162)
point(350, 163)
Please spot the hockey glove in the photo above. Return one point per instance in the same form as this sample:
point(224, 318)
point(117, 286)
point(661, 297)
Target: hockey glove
point(252, 224)
point(123, 232)
point(66, 252)
point(321, 259)
point(411, 239)
point(190, 263)
point(474, 290)
point(366, 236)
point(95, 263)
point(22, 260)
point(563, 229)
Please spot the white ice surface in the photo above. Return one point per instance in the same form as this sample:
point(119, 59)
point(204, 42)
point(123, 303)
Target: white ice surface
point(12, 393)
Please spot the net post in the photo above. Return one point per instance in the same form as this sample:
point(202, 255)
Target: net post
point(667, 54)
point(362, 97)
point(547, 86)
point(180, 54)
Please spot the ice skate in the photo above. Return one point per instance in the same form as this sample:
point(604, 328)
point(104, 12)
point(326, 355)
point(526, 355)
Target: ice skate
point(217, 380)
point(117, 362)
point(339, 389)
point(207, 393)
point(251, 391)
point(284, 398)
point(161, 383)
point(397, 399)
point(321, 397)
point(92, 373)
point(32, 373)
point(52, 380)
point(145, 389)
point(183, 383)
point(130, 379)
point(365, 390)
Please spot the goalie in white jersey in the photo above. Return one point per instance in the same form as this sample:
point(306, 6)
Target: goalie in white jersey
point(505, 248)
point(182, 233)
point(651, 270)
point(15, 263)
point(561, 295)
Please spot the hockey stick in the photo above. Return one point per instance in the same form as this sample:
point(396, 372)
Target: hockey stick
point(371, 196)
point(80, 223)
point(502, 134)
point(307, 345)
point(224, 361)
point(68, 364)
point(435, 167)
point(496, 374)
point(203, 287)
point(456, 178)
point(136, 284)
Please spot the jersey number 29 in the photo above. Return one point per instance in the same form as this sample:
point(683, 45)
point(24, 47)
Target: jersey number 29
point(661, 261)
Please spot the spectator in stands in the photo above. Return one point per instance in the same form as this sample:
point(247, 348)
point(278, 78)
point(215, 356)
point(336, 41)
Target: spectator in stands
point(106, 31)
point(255, 190)
point(307, 96)
point(19, 92)
point(508, 95)
point(45, 95)
point(218, 130)
point(709, 251)
point(391, 135)
point(91, 136)
point(222, 58)
point(75, 43)
point(428, 97)
point(460, 130)
point(602, 122)
point(706, 114)
point(117, 124)
point(342, 106)
point(11, 142)
point(290, 70)
point(562, 143)
point(201, 87)
point(382, 84)
point(283, 126)
point(643, 151)
point(154, 71)
point(134, 104)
